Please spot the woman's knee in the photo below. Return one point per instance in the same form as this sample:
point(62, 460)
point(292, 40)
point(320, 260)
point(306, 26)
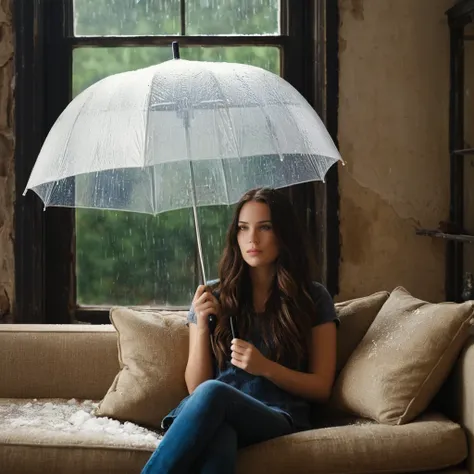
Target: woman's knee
point(212, 390)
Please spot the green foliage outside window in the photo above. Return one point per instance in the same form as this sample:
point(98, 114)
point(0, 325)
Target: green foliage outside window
point(127, 258)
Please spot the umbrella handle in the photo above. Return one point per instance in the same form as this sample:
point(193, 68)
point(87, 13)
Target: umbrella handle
point(175, 49)
point(212, 323)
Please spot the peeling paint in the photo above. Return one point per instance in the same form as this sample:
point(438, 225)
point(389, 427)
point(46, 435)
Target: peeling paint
point(393, 135)
point(357, 10)
point(5, 308)
point(381, 251)
point(342, 44)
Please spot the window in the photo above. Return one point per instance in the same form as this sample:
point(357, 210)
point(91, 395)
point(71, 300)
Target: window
point(83, 261)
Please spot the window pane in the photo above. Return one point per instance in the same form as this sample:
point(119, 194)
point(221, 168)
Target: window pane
point(238, 17)
point(136, 259)
point(266, 57)
point(163, 17)
point(126, 17)
point(93, 64)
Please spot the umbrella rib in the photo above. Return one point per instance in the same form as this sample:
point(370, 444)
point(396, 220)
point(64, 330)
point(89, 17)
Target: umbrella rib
point(313, 164)
point(232, 135)
point(319, 170)
point(66, 145)
point(152, 168)
point(262, 108)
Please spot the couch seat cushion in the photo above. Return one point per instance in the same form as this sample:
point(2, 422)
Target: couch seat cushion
point(361, 446)
point(57, 436)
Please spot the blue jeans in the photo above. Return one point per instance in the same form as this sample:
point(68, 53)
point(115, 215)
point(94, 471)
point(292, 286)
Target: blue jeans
point(216, 420)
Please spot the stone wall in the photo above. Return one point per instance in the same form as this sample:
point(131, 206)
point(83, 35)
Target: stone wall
point(393, 134)
point(7, 181)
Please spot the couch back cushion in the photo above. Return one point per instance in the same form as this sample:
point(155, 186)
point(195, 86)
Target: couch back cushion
point(82, 361)
point(57, 361)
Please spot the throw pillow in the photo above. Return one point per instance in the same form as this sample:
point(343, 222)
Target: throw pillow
point(152, 351)
point(403, 359)
point(355, 317)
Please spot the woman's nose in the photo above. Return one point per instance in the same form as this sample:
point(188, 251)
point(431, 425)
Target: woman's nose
point(253, 237)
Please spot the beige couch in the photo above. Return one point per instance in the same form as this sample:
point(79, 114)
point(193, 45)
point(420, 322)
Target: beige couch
point(48, 363)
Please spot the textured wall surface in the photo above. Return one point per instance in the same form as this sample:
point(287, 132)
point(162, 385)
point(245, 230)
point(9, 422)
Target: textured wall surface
point(6, 161)
point(393, 134)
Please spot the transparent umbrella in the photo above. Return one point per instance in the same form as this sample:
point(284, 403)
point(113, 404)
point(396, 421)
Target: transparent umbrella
point(180, 134)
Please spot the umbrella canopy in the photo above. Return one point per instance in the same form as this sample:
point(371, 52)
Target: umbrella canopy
point(180, 134)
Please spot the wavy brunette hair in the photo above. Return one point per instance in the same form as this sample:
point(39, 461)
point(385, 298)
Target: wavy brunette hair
point(285, 325)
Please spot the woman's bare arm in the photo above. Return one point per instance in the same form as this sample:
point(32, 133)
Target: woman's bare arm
point(317, 385)
point(199, 366)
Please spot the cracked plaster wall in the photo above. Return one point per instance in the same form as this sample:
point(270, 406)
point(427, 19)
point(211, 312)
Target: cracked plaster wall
point(393, 134)
point(6, 161)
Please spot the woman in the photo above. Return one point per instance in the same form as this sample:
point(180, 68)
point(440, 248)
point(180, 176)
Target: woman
point(259, 384)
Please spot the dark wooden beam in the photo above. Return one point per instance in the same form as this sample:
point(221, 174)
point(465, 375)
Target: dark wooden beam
point(204, 41)
point(59, 246)
point(29, 133)
point(454, 254)
point(332, 180)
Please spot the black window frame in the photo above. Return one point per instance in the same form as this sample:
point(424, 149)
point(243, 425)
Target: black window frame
point(45, 289)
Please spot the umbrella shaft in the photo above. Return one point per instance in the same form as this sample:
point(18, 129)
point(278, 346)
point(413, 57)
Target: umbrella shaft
point(198, 239)
point(194, 201)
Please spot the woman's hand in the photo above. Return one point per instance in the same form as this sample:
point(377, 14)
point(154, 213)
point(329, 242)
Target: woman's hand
point(204, 304)
point(247, 357)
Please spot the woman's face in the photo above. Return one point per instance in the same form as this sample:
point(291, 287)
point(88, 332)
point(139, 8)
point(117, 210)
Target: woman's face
point(255, 236)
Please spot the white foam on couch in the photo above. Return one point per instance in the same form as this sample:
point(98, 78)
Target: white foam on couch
point(74, 416)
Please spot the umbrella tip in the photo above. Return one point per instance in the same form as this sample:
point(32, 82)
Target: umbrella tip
point(175, 48)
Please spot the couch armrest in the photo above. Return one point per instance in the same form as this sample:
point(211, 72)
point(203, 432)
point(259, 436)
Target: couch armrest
point(457, 397)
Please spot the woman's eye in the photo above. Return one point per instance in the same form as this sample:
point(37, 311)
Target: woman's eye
point(266, 227)
point(242, 227)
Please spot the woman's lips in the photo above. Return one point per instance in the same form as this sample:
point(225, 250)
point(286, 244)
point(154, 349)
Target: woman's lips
point(253, 251)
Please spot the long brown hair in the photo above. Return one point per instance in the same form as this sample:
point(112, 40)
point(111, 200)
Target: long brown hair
point(285, 324)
